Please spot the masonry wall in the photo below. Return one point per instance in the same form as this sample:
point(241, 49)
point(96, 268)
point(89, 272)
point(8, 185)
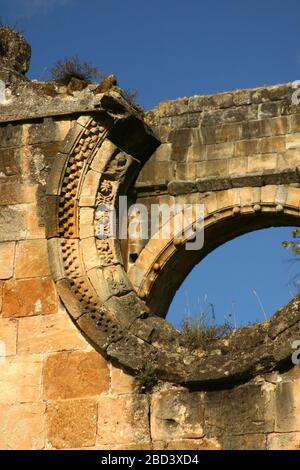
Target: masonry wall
point(56, 391)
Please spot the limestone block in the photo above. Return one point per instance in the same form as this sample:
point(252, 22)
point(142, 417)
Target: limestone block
point(293, 141)
point(287, 416)
point(247, 409)
point(258, 163)
point(86, 221)
point(294, 123)
point(32, 259)
point(22, 426)
point(207, 134)
point(56, 263)
point(89, 189)
point(215, 168)
point(237, 166)
point(72, 423)
point(188, 444)
point(276, 126)
point(247, 147)
point(13, 193)
point(8, 337)
point(177, 415)
point(127, 308)
point(28, 297)
point(245, 442)
point(109, 281)
point(121, 382)
point(272, 144)
point(54, 182)
point(289, 159)
point(228, 132)
point(196, 154)
point(9, 162)
point(11, 135)
point(41, 132)
point(75, 375)
point(216, 151)
point(103, 156)
point(268, 194)
point(21, 379)
point(89, 253)
point(271, 109)
point(49, 333)
point(284, 441)
point(7, 257)
point(123, 419)
point(163, 153)
point(246, 196)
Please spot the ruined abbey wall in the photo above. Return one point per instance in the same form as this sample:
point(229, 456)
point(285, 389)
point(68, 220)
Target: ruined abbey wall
point(237, 151)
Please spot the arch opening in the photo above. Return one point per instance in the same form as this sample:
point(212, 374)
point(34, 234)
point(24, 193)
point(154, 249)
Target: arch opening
point(243, 281)
point(176, 263)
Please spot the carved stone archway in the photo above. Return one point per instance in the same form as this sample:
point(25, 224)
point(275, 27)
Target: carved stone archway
point(163, 264)
point(98, 162)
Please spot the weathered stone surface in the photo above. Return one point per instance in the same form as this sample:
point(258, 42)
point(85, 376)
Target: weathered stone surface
point(179, 414)
point(7, 258)
point(284, 441)
point(72, 423)
point(22, 426)
point(181, 187)
point(127, 308)
point(245, 442)
point(32, 259)
point(21, 379)
point(75, 375)
point(258, 182)
point(120, 382)
point(15, 51)
point(123, 419)
point(28, 297)
point(12, 193)
point(13, 222)
point(287, 407)
point(243, 410)
point(188, 444)
point(8, 337)
point(49, 333)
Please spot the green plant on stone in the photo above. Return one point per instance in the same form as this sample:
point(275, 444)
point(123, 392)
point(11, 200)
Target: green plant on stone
point(146, 378)
point(202, 330)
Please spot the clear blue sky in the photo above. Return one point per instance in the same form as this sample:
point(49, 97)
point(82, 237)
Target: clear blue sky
point(168, 49)
point(227, 277)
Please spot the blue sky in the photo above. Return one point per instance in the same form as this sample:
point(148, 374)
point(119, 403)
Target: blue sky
point(246, 280)
point(167, 49)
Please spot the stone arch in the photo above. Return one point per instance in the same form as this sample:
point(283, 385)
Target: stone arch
point(163, 264)
point(99, 161)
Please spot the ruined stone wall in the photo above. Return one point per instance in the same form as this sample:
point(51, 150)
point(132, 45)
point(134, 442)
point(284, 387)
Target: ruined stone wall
point(57, 391)
point(238, 153)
